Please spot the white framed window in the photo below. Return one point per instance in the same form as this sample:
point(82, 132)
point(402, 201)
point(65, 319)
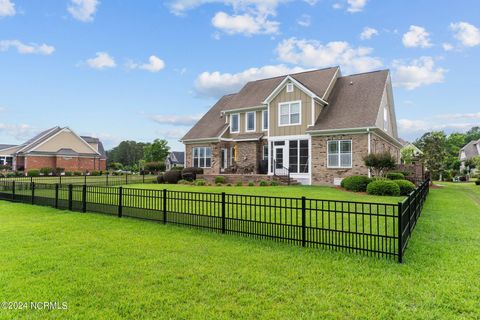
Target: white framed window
point(202, 157)
point(265, 120)
point(250, 121)
point(232, 155)
point(385, 119)
point(235, 123)
point(339, 154)
point(265, 151)
point(289, 113)
point(290, 87)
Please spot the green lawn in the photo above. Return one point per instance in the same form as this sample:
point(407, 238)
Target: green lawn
point(109, 268)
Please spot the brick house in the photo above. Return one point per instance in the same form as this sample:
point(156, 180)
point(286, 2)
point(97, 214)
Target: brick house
point(56, 148)
point(318, 125)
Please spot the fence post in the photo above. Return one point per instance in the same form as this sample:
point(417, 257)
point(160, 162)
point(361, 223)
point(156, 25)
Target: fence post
point(85, 179)
point(33, 192)
point(143, 177)
point(84, 198)
point(60, 179)
point(120, 202)
point(70, 197)
point(56, 196)
point(13, 190)
point(223, 212)
point(126, 178)
point(304, 222)
point(107, 179)
point(164, 206)
point(400, 238)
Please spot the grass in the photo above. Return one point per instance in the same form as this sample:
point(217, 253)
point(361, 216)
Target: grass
point(80, 179)
point(109, 268)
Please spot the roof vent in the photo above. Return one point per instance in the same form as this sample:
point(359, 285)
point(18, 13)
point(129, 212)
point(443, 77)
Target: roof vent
point(351, 83)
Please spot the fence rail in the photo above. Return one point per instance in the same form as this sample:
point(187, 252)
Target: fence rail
point(104, 180)
point(377, 229)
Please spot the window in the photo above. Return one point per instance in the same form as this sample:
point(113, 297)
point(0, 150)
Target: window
point(289, 113)
point(298, 156)
point(265, 152)
point(232, 155)
point(385, 119)
point(235, 123)
point(202, 157)
point(250, 121)
point(289, 87)
point(339, 154)
point(265, 120)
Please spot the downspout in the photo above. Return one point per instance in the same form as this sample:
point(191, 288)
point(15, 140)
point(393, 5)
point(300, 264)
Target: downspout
point(369, 149)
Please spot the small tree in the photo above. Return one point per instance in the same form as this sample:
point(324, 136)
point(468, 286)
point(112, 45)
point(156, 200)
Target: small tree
point(408, 154)
point(380, 163)
point(156, 151)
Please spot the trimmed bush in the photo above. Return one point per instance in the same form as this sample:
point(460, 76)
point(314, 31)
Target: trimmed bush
point(77, 173)
point(177, 168)
point(10, 175)
point(251, 184)
point(46, 171)
point(356, 183)
point(172, 176)
point(239, 183)
point(477, 182)
point(383, 188)
point(155, 166)
point(96, 173)
point(182, 181)
point(229, 184)
point(220, 180)
point(395, 176)
point(200, 182)
point(160, 179)
point(405, 187)
point(68, 173)
point(273, 183)
point(190, 173)
point(33, 173)
point(263, 183)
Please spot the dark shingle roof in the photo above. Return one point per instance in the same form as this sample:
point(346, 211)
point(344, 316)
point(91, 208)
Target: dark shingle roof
point(354, 102)
point(471, 149)
point(212, 124)
point(39, 138)
point(249, 136)
point(179, 156)
point(67, 152)
point(254, 93)
point(101, 149)
point(6, 146)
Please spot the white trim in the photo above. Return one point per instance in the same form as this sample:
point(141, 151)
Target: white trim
point(312, 122)
point(254, 121)
point(239, 140)
point(66, 129)
point(290, 87)
point(279, 88)
point(46, 133)
point(237, 110)
point(263, 120)
point(339, 141)
point(310, 169)
point(369, 149)
point(331, 83)
point(238, 126)
point(205, 156)
point(289, 103)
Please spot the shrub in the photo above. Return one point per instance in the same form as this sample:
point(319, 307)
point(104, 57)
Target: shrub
point(177, 168)
point(406, 187)
point(274, 183)
point(229, 184)
point(477, 182)
point(380, 163)
point(220, 180)
point(58, 171)
point(172, 176)
point(239, 183)
point(68, 173)
point(160, 178)
point(263, 183)
point(251, 184)
point(356, 183)
point(200, 182)
point(33, 173)
point(190, 173)
point(463, 178)
point(383, 188)
point(20, 174)
point(46, 171)
point(218, 184)
point(183, 181)
point(395, 176)
point(96, 173)
point(77, 173)
point(10, 175)
point(155, 166)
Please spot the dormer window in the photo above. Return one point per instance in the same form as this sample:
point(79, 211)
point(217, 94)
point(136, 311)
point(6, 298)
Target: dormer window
point(235, 123)
point(385, 119)
point(289, 87)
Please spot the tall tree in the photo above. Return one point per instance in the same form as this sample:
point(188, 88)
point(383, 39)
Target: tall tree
point(472, 134)
point(128, 153)
point(435, 155)
point(156, 151)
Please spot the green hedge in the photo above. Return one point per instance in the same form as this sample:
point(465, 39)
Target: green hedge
point(383, 188)
point(395, 176)
point(356, 183)
point(406, 187)
point(33, 173)
point(220, 180)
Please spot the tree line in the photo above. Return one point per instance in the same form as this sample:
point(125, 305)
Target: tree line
point(135, 156)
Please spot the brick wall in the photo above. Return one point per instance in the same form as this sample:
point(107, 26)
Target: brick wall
point(36, 162)
point(68, 163)
point(215, 167)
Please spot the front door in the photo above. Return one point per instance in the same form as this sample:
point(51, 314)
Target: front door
point(280, 158)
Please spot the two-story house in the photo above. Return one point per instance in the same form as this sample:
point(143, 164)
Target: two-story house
point(317, 124)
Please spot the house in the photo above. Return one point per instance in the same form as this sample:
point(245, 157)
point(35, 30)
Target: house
point(175, 159)
point(416, 153)
point(317, 125)
point(470, 150)
point(56, 148)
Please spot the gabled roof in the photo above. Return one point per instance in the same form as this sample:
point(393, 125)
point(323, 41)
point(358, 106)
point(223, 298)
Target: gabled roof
point(6, 146)
point(354, 102)
point(471, 149)
point(254, 93)
point(39, 138)
point(177, 157)
point(101, 149)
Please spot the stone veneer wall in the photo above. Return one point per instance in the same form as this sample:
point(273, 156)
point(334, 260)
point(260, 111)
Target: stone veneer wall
point(215, 168)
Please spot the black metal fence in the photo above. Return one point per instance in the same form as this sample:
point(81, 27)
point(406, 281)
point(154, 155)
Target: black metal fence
point(378, 229)
point(104, 180)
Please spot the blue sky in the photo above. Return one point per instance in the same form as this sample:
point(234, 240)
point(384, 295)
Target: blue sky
point(140, 70)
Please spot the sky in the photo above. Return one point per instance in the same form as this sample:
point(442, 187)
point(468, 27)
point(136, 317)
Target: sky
point(141, 70)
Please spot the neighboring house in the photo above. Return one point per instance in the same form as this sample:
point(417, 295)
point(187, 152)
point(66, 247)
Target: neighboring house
point(175, 159)
point(417, 153)
point(317, 124)
point(56, 148)
point(470, 150)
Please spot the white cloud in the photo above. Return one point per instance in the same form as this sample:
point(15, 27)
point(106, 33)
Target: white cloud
point(419, 72)
point(311, 53)
point(473, 115)
point(83, 10)
point(31, 48)
point(216, 84)
point(356, 5)
point(337, 6)
point(305, 20)
point(447, 46)
point(7, 8)
point(368, 33)
point(173, 134)
point(311, 2)
point(176, 120)
point(102, 60)
point(413, 127)
point(466, 33)
point(155, 64)
point(416, 37)
point(244, 24)
point(18, 131)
